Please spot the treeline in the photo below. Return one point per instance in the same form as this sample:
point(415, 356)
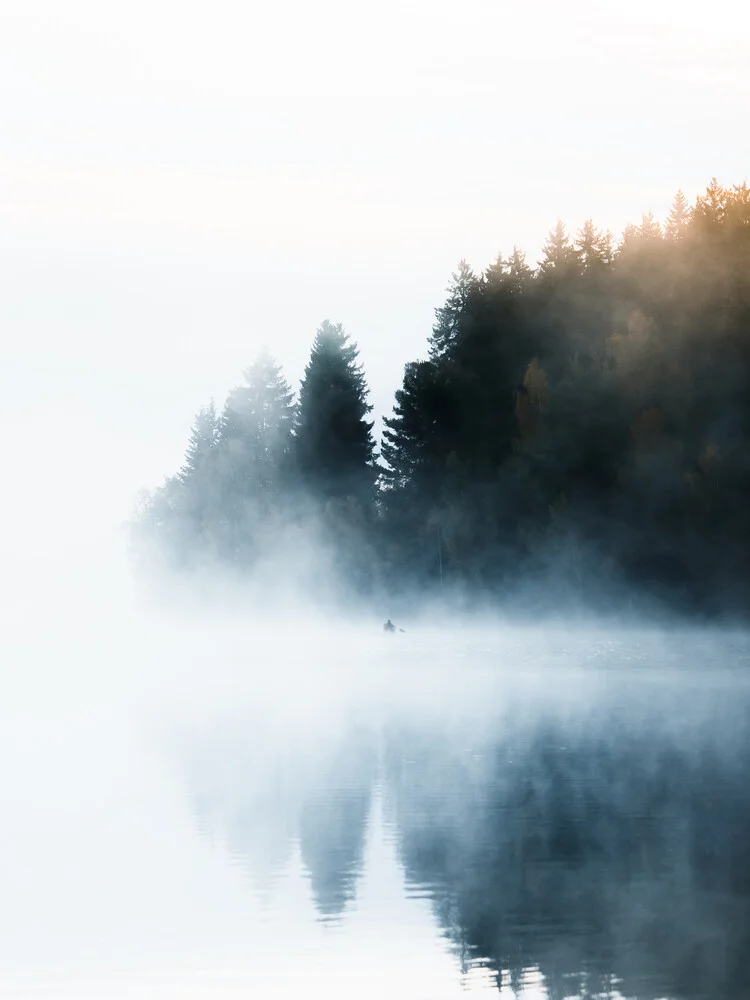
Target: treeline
point(276, 484)
point(577, 431)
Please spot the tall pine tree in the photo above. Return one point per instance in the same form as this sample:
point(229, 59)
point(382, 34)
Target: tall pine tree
point(560, 259)
point(678, 218)
point(594, 247)
point(194, 489)
point(448, 317)
point(204, 435)
point(334, 446)
point(254, 454)
point(256, 426)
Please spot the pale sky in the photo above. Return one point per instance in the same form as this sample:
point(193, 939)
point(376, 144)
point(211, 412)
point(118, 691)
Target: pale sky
point(181, 183)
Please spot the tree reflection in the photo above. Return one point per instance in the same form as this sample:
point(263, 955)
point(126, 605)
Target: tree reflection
point(600, 843)
point(261, 791)
point(333, 821)
point(609, 853)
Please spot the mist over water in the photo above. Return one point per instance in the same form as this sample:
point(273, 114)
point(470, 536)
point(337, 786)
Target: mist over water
point(211, 797)
point(230, 783)
point(210, 804)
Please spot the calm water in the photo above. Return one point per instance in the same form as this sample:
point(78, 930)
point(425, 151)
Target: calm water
point(421, 816)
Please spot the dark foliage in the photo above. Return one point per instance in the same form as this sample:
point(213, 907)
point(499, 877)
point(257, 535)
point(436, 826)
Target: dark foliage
point(333, 438)
point(584, 425)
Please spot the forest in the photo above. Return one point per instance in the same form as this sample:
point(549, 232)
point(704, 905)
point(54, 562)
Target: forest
point(577, 434)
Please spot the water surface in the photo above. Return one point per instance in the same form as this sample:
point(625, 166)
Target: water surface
point(232, 811)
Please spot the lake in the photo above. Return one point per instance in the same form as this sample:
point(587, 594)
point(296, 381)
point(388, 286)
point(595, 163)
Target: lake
point(227, 810)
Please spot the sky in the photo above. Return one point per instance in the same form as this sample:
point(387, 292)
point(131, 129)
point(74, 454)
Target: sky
point(183, 183)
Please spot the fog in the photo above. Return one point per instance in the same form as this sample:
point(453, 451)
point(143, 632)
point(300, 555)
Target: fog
point(226, 783)
point(206, 803)
point(232, 787)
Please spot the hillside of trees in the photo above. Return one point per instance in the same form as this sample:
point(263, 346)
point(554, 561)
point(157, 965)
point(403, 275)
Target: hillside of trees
point(577, 433)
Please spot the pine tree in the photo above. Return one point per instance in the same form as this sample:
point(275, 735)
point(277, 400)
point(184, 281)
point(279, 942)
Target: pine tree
point(649, 229)
point(711, 208)
point(409, 437)
point(163, 526)
point(510, 275)
point(446, 330)
point(494, 275)
point(737, 221)
point(629, 238)
point(560, 258)
point(416, 444)
point(739, 204)
point(678, 218)
point(334, 446)
point(518, 270)
point(193, 492)
point(204, 436)
point(636, 238)
point(594, 249)
point(253, 459)
point(256, 427)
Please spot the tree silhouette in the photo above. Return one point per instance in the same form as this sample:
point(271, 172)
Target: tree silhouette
point(253, 456)
point(334, 445)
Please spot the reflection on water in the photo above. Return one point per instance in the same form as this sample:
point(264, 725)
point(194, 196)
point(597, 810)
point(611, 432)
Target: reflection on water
point(606, 854)
point(264, 794)
point(569, 847)
point(565, 822)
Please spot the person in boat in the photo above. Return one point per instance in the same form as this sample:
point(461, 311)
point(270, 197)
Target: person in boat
point(389, 626)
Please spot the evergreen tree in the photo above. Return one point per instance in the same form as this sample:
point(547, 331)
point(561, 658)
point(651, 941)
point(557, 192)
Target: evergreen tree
point(412, 446)
point(678, 218)
point(629, 238)
point(495, 273)
point(194, 490)
point(649, 229)
point(256, 427)
point(511, 275)
point(594, 248)
point(560, 258)
point(162, 527)
point(518, 272)
point(204, 436)
point(711, 208)
point(334, 446)
point(739, 202)
point(446, 330)
point(417, 442)
point(253, 458)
